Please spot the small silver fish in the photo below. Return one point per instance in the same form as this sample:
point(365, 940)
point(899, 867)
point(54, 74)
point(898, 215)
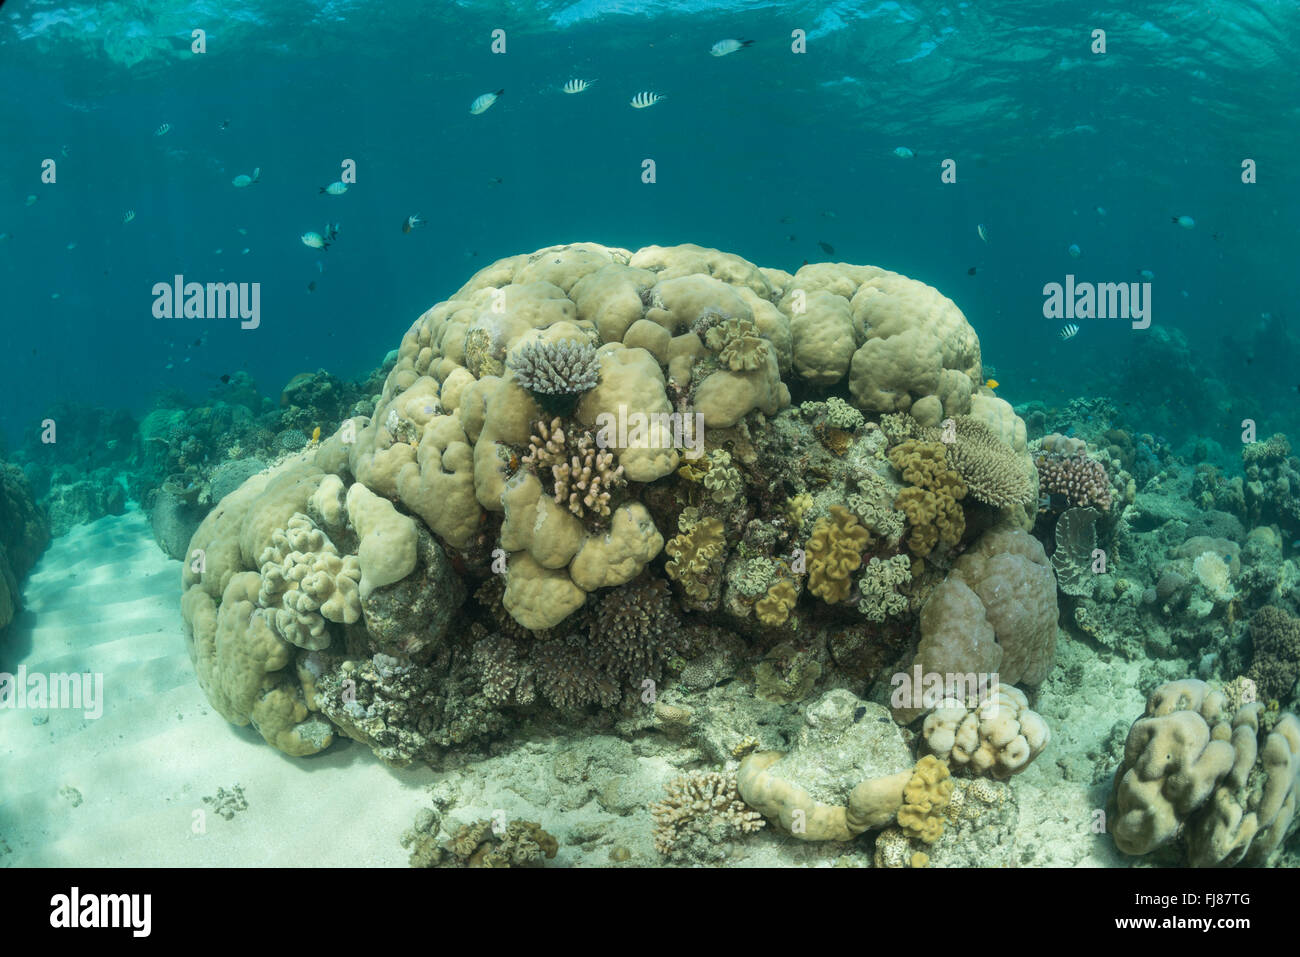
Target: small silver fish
point(1074, 251)
point(1146, 275)
point(576, 86)
point(31, 199)
point(902, 152)
point(482, 103)
point(128, 216)
point(244, 179)
point(983, 231)
point(644, 99)
point(1184, 221)
point(162, 129)
point(723, 47)
point(314, 240)
point(1069, 331)
point(335, 189)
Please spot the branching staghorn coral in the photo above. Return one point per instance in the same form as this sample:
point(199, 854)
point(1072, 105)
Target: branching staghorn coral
point(583, 474)
point(634, 631)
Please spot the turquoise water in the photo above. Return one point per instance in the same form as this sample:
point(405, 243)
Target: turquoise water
point(379, 521)
point(751, 148)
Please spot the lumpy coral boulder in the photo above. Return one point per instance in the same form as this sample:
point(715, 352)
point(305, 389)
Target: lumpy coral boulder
point(598, 446)
point(1223, 779)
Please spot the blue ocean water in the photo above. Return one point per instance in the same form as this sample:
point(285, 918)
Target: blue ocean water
point(766, 153)
point(996, 151)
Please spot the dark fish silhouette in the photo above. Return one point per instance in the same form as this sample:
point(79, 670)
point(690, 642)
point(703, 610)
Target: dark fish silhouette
point(827, 248)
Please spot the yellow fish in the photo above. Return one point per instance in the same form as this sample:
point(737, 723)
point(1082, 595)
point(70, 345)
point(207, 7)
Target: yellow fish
point(315, 434)
point(992, 383)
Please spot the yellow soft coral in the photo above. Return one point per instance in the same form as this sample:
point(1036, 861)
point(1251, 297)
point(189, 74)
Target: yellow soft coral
point(930, 502)
point(774, 607)
point(695, 554)
point(797, 506)
point(925, 798)
point(834, 553)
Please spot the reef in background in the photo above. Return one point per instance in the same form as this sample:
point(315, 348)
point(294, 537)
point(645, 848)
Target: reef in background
point(482, 554)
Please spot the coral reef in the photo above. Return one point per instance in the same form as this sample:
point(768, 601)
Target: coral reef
point(1065, 469)
point(931, 501)
point(998, 736)
point(700, 809)
point(835, 553)
point(555, 372)
point(582, 475)
point(1225, 780)
point(457, 472)
point(1275, 645)
point(995, 613)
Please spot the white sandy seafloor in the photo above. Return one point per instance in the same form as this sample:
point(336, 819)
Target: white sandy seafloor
point(128, 788)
